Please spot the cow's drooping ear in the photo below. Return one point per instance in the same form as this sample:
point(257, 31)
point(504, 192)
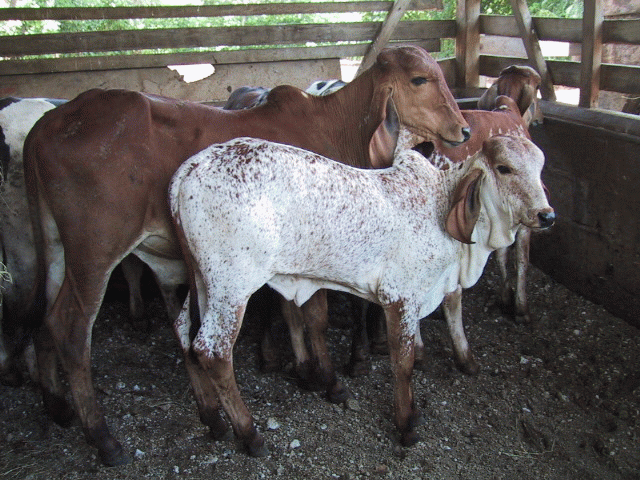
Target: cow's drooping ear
point(466, 207)
point(526, 98)
point(385, 139)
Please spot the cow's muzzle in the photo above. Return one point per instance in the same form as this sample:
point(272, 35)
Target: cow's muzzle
point(546, 219)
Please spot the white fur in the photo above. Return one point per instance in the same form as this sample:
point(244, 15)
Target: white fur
point(254, 212)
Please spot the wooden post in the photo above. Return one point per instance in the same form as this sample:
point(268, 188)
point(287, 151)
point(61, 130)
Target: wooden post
point(592, 21)
point(467, 43)
point(532, 47)
point(389, 25)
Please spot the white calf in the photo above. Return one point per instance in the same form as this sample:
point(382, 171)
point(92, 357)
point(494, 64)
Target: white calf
point(250, 212)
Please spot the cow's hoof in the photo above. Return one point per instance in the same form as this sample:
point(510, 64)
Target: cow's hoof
point(338, 393)
point(11, 377)
point(257, 448)
point(523, 318)
point(379, 348)
point(114, 457)
point(409, 438)
point(59, 410)
point(359, 368)
point(218, 435)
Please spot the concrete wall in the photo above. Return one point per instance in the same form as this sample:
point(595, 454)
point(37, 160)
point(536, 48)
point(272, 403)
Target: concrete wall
point(593, 174)
point(163, 81)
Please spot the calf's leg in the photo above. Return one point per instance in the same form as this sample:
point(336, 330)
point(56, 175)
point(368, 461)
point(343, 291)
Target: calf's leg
point(452, 307)
point(400, 334)
point(203, 388)
point(217, 361)
point(523, 242)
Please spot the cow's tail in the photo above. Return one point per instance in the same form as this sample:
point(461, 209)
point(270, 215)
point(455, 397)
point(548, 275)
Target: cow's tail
point(33, 317)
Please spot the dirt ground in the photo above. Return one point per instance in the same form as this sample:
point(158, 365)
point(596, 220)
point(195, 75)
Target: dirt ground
point(557, 399)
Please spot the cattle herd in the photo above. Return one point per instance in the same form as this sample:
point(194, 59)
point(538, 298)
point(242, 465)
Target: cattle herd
point(381, 188)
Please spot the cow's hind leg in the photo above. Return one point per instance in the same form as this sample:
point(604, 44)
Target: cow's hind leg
point(217, 360)
point(316, 317)
point(70, 322)
point(53, 393)
point(203, 388)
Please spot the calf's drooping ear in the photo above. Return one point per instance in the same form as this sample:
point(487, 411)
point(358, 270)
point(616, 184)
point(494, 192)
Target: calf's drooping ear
point(384, 140)
point(465, 210)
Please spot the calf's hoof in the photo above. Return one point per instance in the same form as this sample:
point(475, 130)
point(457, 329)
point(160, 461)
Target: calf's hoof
point(468, 366)
point(522, 318)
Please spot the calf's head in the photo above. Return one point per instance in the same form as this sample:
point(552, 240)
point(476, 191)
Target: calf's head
point(420, 94)
point(504, 179)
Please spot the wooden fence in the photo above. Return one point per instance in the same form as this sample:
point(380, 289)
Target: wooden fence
point(130, 49)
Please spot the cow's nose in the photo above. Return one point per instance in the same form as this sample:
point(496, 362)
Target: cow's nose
point(466, 133)
point(546, 219)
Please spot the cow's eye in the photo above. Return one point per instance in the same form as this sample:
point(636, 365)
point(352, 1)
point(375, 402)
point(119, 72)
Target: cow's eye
point(419, 80)
point(504, 170)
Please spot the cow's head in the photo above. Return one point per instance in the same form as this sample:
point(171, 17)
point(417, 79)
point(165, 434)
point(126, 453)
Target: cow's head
point(422, 99)
point(504, 180)
point(521, 83)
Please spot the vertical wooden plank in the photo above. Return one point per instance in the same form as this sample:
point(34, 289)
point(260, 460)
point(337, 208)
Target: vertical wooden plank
point(532, 47)
point(467, 43)
point(393, 17)
point(592, 21)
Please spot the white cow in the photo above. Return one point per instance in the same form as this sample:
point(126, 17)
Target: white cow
point(17, 116)
point(250, 212)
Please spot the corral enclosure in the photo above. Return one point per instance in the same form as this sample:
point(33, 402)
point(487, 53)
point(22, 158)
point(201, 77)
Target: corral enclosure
point(593, 155)
point(592, 167)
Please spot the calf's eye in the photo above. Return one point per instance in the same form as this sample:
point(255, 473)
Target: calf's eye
point(503, 169)
point(419, 80)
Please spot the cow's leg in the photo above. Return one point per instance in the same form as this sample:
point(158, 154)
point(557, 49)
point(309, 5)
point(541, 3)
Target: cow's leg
point(203, 388)
point(169, 274)
point(418, 347)
point(360, 361)
point(70, 322)
point(316, 317)
point(294, 317)
point(53, 392)
point(523, 241)
point(376, 329)
point(400, 336)
point(462, 355)
point(267, 302)
point(506, 289)
point(217, 361)
point(132, 269)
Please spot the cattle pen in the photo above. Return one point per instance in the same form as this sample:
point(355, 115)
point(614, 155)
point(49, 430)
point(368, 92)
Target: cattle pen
point(558, 398)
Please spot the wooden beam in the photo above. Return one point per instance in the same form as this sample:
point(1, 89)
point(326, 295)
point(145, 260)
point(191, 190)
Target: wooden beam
point(532, 47)
point(592, 22)
point(383, 36)
point(467, 43)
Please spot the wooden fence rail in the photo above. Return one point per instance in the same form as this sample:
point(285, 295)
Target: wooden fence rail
point(127, 49)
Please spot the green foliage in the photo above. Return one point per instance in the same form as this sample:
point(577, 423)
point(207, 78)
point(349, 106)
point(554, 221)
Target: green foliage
point(538, 8)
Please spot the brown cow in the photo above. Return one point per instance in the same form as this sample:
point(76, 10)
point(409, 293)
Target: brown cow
point(97, 171)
